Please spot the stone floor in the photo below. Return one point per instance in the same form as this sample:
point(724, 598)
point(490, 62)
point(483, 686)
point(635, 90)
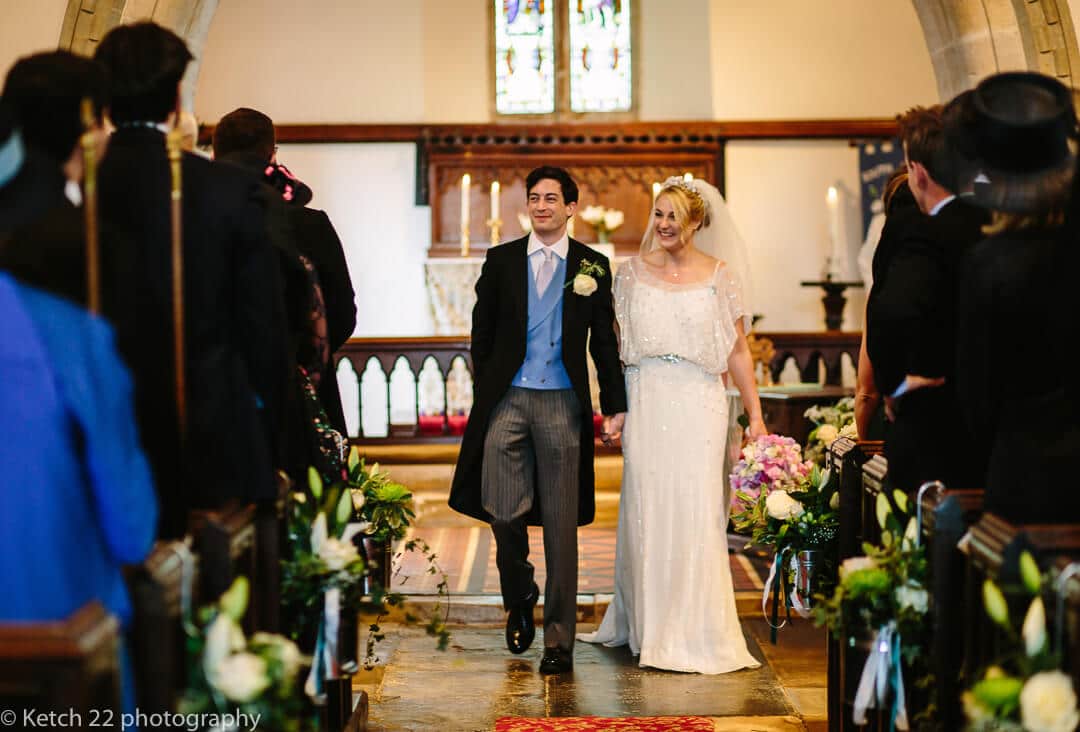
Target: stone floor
point(477, 681)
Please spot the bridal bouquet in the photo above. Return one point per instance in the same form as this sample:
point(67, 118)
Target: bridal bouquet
point(830, 422)
point(770, 463)
point(604, 220)
point(1023, 689)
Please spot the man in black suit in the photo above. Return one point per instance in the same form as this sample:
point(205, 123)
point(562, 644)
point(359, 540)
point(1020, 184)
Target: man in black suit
point(30, 185)
point(911, 317)
point(235, 360)
point(527, 454)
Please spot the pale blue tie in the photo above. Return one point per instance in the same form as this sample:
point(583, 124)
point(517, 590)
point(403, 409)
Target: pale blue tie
point(546, 272)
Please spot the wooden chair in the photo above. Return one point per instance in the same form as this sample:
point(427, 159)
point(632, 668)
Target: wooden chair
point(162, 592)
point(946, 516)
point(224, 541)
point(71, 664)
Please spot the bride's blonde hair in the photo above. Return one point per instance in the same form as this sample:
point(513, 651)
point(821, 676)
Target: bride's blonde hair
point(690, 211)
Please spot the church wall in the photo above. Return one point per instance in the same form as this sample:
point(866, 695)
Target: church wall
point(32, 26)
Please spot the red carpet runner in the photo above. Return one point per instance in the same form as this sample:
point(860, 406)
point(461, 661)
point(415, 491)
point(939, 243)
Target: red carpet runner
point(604, 724)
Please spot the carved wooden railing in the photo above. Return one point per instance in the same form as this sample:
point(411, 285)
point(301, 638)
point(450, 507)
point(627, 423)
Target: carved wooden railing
point(436, 422)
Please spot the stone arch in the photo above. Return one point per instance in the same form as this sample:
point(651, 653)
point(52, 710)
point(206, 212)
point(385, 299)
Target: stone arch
point(87, 21)
point(970, 39)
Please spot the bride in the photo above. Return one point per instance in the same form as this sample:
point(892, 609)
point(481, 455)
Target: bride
point(683, 316)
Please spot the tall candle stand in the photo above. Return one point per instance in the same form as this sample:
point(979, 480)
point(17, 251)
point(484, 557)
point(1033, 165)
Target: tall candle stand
point(496, 230)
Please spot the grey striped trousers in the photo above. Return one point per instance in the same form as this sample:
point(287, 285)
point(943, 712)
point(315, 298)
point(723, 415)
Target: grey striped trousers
point(531, 454)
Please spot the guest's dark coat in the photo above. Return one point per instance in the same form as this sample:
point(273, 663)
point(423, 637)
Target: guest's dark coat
point(1019, 399)
point(911, 329)
point(498, 350)
point(233, 344)
point(317, 240)
point(34, 191)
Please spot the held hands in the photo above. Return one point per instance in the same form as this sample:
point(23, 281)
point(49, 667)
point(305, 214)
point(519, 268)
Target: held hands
point(611, 430)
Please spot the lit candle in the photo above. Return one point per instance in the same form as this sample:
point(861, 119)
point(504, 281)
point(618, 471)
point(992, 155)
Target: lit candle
point(495, 200)
point(655, 192)
point(466, 180)
point(832, 202)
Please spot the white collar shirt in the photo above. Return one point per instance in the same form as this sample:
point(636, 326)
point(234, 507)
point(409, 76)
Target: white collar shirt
point(535, 251)
point(941, 204)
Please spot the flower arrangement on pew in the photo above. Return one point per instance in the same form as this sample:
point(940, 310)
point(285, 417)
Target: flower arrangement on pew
point(386, 512)
point(232, 675)
point(788, 504)
point(830, 422)
point(1023, 689)
point(323, 578)
point(883, 595)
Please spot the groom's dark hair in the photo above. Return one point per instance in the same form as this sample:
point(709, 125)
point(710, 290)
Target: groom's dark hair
point(560, 176)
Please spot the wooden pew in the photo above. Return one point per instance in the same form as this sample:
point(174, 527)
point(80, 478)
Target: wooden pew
point(72, 664)
point(875, 473)
point(271, 533)
point(994, 553)
point(224, 541)
point(946, 516)
point(845, 457)
point(162, 593)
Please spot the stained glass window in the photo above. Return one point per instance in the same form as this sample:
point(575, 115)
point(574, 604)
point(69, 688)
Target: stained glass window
point(599, 55)
point(524, 56)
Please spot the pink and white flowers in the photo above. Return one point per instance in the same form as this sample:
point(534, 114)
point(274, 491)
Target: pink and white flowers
point(771, 462)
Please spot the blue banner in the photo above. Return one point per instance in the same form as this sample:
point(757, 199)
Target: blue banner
point(877, 161)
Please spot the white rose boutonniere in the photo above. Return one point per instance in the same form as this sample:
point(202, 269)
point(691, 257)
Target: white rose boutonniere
point(584, 282)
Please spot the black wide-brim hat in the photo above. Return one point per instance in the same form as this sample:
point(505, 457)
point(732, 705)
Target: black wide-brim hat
point(1014, 142)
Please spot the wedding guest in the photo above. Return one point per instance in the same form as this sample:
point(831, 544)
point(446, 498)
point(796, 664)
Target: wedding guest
point(235, 353)
point(901, 212)
point(31, 186)
point(76, 498)
point(1016, 295)
point(910, 321)
point(45, 92)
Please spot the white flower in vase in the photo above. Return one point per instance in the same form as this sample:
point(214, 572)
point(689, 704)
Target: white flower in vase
point(242, 677)
point(1048, 703)
point(781, 506)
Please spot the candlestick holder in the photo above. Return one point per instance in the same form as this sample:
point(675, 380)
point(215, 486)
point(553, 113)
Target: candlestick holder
point(464, 241)
point(834, 299)
point(496, 230)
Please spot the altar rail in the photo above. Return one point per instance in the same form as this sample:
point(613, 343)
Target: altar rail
point(420, 389)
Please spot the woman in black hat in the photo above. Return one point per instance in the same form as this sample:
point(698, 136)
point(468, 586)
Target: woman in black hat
point(1017, 297)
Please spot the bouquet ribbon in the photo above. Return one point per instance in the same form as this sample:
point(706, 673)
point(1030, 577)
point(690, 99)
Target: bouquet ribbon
point(774, 585)
point(882, 668)
point(325, 661)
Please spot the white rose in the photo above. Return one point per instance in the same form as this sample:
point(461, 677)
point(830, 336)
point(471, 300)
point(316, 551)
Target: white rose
point(242, 677)
point(285, 649)
point(854, 564)
point(911, 596)
point(781, 506)
point(827, 434)
point(1048, 703)
point(612, 219)
point(592, 214)
point(849, 430)
point(337, 554)
point(584, 285)
point(223, 637)
point(1034, 628)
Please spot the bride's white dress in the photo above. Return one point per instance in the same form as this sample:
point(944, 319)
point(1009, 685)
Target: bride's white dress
point(674, 601)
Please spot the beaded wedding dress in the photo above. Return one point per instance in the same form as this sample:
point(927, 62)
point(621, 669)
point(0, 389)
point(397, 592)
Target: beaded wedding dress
point(674, 601)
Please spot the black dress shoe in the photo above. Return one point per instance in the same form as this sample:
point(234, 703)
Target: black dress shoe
point(556, 661)
point(520, 628)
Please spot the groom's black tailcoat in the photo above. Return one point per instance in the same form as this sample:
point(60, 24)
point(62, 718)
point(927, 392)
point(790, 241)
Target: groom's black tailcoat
point(498, 350)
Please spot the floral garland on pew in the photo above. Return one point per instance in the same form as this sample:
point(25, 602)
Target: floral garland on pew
point(830, 422)
point(1024, 688)
point(788, 504)
point(883, 596)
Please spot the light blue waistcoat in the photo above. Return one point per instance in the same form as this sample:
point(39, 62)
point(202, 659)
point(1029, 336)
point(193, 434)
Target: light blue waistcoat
point(543, 366)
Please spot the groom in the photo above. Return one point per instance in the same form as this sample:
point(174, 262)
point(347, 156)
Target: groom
point(527, 454)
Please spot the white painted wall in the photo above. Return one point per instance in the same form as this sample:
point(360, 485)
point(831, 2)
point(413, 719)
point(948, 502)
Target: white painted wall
point(776, 192)
point(368, 193)
point(37, 28)
point(791, 59)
